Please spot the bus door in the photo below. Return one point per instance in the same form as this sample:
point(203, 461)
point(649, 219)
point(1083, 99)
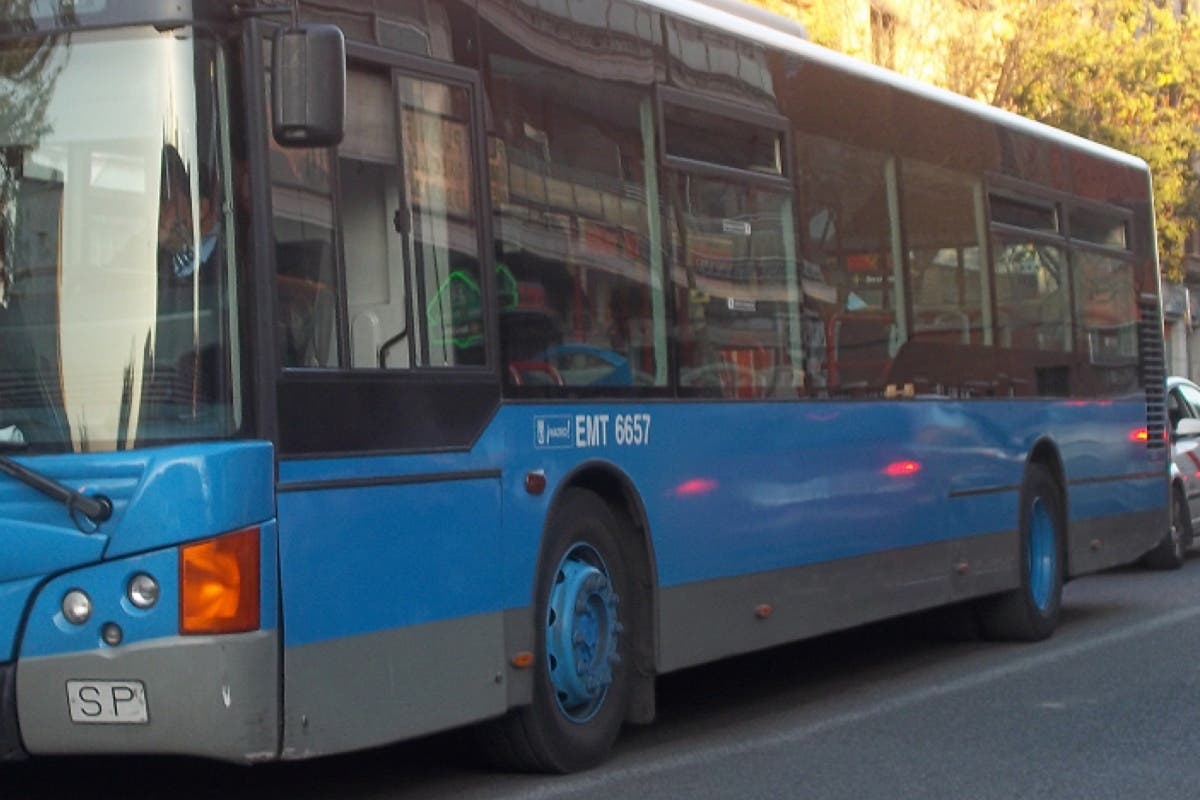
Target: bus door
point(389, 507)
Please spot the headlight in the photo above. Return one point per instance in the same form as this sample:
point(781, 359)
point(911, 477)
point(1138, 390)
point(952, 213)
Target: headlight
point(77, 607)
point(143, 590)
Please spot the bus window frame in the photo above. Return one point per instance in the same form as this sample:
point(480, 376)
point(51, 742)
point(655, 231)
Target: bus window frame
point(783, 184)
point(468, 394)
point(407, 65)
point(1062, 204)
point(669, 95)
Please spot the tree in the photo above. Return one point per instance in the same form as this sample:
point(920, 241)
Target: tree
point(1123, 73)
point(29, 68)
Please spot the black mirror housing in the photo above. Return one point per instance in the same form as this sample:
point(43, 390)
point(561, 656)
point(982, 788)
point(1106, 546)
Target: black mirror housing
point(308, 86)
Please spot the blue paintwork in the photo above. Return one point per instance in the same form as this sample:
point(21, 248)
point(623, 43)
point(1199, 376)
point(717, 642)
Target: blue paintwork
point(13, 598)
point(161, 497)
point(728, 488)
point(48, 633)
point(581, 633)
point(358, 560)
point(195, 492)
point(1042, 555)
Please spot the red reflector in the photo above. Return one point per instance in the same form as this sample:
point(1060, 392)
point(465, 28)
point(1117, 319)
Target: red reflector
point(898, 469)
point(535, 482)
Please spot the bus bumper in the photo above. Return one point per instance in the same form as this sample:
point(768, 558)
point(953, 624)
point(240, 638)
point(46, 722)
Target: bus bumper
point(123, 678)
point(207, 696)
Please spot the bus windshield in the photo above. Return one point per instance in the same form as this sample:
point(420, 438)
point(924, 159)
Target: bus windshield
point(117, 259)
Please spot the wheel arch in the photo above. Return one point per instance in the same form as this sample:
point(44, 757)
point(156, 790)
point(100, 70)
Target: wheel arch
point(617, 489)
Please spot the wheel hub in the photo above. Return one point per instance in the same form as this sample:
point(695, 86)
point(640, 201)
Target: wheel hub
point(582, 634)
point(1042, 555)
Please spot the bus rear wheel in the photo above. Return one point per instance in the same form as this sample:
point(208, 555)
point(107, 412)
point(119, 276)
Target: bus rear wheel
point(1030, 612)
point(581, 685)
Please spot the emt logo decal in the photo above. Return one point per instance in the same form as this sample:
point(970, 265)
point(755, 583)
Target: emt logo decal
point(591, 430)
point(554, 433)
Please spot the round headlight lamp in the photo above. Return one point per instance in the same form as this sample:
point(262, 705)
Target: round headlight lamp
point(77, 607)
point(143, 591)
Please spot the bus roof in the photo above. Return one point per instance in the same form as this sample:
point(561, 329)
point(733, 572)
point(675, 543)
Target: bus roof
point(776, 31)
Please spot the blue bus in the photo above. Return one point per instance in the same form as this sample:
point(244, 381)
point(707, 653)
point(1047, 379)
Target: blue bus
point(372, 369)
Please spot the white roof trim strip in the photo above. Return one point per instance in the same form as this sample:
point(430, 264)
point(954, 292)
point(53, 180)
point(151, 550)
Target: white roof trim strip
point(711, 14)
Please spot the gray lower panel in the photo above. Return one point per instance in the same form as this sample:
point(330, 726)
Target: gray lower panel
point(361, 691)
point(519, 636)
point(709, 620)
point(216, 697)
point(1105, 542)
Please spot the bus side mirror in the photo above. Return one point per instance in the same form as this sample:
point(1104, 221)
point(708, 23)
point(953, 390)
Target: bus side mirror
point(308, 86)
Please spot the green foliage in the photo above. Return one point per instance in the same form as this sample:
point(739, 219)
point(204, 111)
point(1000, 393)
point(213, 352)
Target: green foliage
point(1124, 73)
point(28, 70)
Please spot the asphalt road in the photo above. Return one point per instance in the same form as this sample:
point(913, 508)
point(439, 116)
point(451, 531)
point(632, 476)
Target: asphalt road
point(1107, 708)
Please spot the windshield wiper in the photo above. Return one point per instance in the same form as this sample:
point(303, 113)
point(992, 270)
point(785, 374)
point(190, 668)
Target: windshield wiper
point(97, 509)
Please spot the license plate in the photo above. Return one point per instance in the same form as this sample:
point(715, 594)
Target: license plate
point(108, 702)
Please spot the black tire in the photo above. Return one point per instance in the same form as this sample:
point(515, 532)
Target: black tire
point(1030, 612)
point(571, 725)
point(1171, 552)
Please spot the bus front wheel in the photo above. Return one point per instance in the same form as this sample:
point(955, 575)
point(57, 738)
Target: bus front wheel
point(581, 685)
point(1030, 612)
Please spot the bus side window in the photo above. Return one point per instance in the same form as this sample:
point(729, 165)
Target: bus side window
point(307, 303)
point(1031, 294)
point(571, 182)
point(304, 267)
point(861, 346)
point(849, 275)
point(375, 278)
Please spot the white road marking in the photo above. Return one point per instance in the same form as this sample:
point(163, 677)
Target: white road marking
point(1047, 653)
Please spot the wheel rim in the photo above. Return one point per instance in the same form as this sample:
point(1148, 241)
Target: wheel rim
point(582, 630)
point(1042, 554)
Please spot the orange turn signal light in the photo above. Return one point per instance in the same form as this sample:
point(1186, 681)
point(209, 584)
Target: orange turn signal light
point(219, 584)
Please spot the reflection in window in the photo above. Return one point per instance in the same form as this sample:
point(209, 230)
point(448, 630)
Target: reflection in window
point(1032, 295)
point(1099, 228)
point(414, 294)
point(369, 176)
point(1032, 215)
point(303, 230)
point(117, 253)
point(577, 241)
point(719, 64)
point(1106, 307)
point(715, 139)
point(852, 302)
point(945, 269)
point(736, 288)
point(439, 184)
